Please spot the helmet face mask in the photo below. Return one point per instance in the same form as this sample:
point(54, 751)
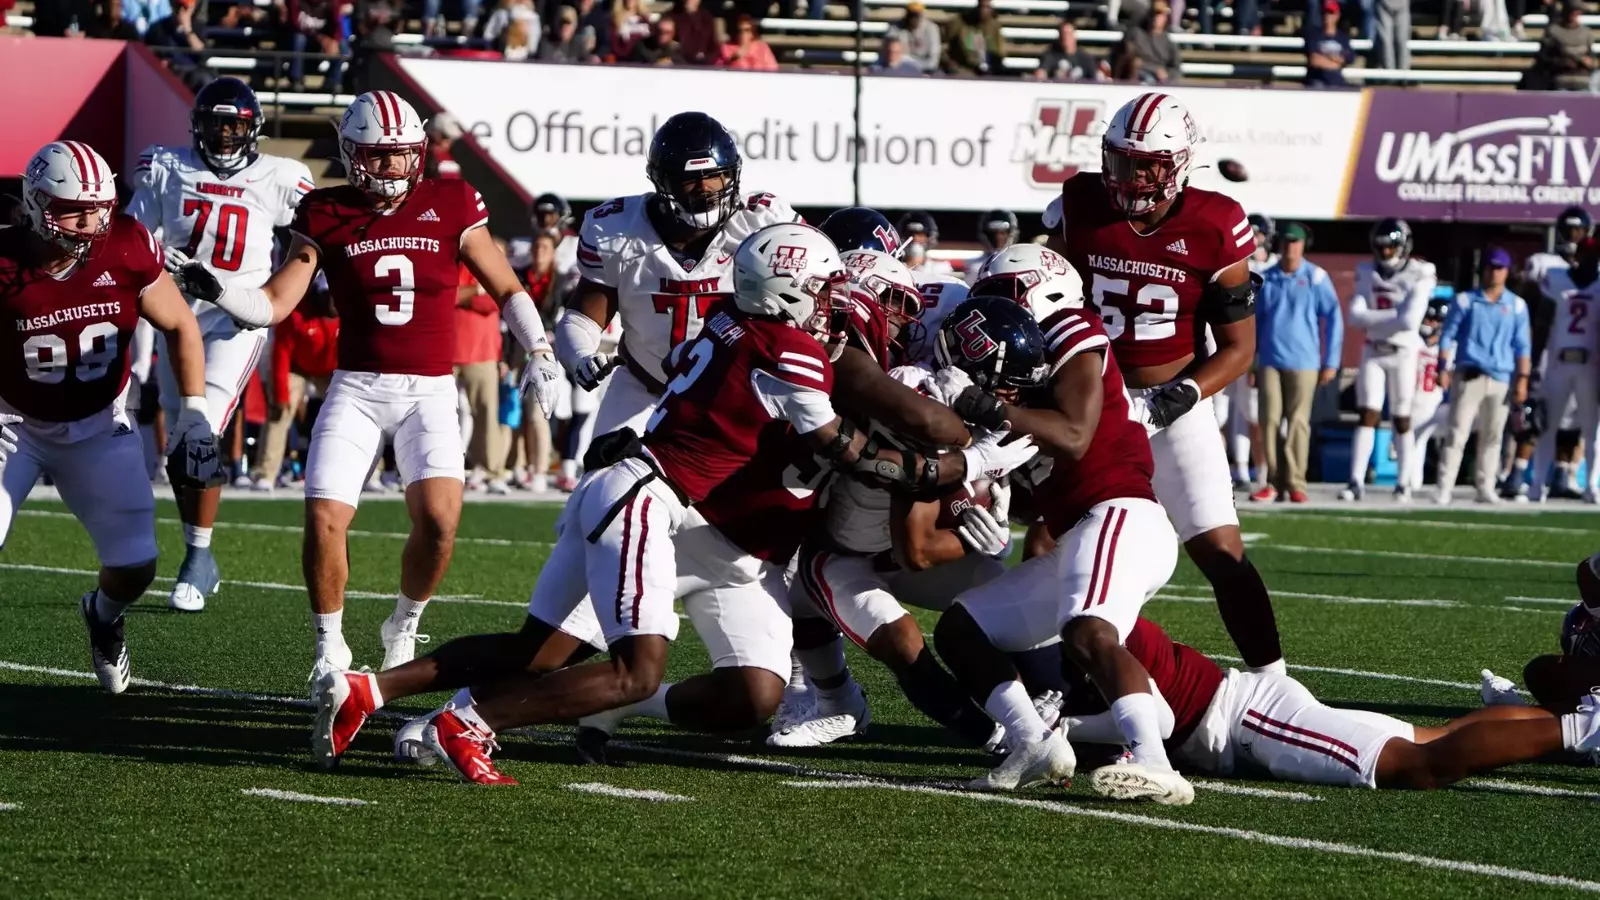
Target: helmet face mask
point(69, 196)
point(1391, 245)
point(226, 124)
point(1572, 228)
point(551, 212)
point(386, 170)
point(1138, 182)
point(382, 144)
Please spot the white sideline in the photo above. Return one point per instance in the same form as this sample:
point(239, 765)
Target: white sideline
point(296, 797)
point(1412, 521)
point(296, 529)
point(1222, 787)
point(595, 787)
point(1276, 840)
point(1556, 601)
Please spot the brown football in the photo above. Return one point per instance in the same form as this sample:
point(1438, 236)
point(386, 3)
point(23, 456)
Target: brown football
point(1232, 169)
point(959, 498)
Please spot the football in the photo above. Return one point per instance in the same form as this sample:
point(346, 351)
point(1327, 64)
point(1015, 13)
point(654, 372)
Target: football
point(959, 498)
point(1232, 169)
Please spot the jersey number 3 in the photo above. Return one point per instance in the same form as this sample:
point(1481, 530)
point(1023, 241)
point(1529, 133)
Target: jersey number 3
point(1154, 308)
point(405, 293)
point(227, 253)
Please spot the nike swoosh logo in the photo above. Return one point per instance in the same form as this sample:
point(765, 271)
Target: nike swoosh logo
point(723, 259)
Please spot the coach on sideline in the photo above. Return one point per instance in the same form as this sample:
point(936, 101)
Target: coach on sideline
point(1484, 353)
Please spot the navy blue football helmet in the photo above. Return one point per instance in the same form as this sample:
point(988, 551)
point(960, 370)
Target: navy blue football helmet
point(1580, 633)
point(1573, 226)
point(995, 341)
point(688, 147)
point(997, 229)
point(226, 124)
point(919, 222)
point(1391, 234)
point(551, 204)
point(1438, 310)
point(860, 228)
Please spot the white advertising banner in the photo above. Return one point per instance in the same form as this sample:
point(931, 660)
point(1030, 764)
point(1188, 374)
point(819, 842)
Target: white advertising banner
point(933, 143)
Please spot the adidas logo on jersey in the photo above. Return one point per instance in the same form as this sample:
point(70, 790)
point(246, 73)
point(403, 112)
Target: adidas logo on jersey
point(105, 280)
point(429, 216)
point(1178, 246)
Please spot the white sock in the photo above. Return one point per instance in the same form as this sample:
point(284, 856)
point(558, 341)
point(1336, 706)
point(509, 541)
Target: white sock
point(1241, 457)
point(1404, 444)
point(1519, 470)
point(406, 610)
point(797, 674)
point(1361, 453)
point(1276, 667)
point(196, 537)
point(825, 662)
point(106, 609)
point(1571, 730)
point(569, 468)
point(655, 707)
point(1139, 722)
point(1011, 706)
point(330, 634)
point(466, 710)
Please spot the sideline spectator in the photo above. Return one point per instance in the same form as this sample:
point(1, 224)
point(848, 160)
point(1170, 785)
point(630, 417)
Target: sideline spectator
point(697, 33)
point(1159, 61)
point(1066, 61)
point(513, 11)
point(518, 40)
point(628, 27)
point(595, 20)
point(661, 48)
point(315, 22)
point(1299, 336)
point(565, 43)
point(305, 351)
point(1328, 50)
point(747, 52)
point(433, 24)
point(921, 37)
point(892, 59)
point(1485, 352)
point(1391, 42)
point(374, 24)
point(973, 44)
point(477, 361)
point(1565, 60)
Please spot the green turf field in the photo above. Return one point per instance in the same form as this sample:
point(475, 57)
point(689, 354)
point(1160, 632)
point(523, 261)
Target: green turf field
point(149, 793)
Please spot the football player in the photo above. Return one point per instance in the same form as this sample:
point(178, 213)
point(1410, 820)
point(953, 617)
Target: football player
point(1224, 721)
point(997, 230)
point(390, 243)
point(219, 202)
point(758, 363)
point(1562, 682)
point(920, 232)
point(1568, 369)
point(860, 228)
point(1114, 548)
point(1428, 410)
point(659, 261)
point(1033, 275)
point(1393, 292)
point(551, 214)
point(75, 280)
point(1161, 261)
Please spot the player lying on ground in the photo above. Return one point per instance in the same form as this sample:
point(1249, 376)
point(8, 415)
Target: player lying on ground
point(1226, 722)
point(1561, 681)
point(74, 281)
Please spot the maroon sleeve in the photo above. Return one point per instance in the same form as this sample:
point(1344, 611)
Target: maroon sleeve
point(869, 330)
point(798, 359)
point(1068, 332)
point(473, 211)
point(305, 217)
point(141, 253)
point(1235, 240)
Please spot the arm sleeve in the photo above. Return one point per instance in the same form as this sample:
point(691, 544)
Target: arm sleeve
point(1053, 214)
point(1332, 325)
point(474, 214)
point(597, 257)
point(301, 224)
point(144, 346)
point(1236, 239)
point(1068, 333)
point(144, 257)
point(807, 409)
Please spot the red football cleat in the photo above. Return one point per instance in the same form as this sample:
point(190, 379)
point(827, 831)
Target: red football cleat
point(345, 702)
point(464, 748)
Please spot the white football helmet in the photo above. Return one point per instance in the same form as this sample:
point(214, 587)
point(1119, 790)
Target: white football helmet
point(793, 272)
point(885, 280)
point(69, 177)
point(1146, 152)
point(380, 122)
point(1033, 275)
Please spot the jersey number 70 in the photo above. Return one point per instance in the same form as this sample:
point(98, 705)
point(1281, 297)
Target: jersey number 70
point(227, 252)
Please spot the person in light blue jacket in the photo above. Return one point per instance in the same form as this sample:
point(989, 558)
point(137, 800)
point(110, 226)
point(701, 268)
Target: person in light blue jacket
point(1299, 338)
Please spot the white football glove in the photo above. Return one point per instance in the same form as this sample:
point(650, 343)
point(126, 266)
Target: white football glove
point(981, 533)
point(988, 458)
point(1000, 500)
point(542, 381)
point(948, 383)
point(8, 437)
point(176, 260)
point(192, 436)
point(593, 369)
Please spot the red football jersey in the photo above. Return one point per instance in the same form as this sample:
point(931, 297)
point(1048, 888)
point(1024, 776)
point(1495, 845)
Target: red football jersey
point(393, 277)
point(869, 329)
point(769, 506)
point(1148, 288)
point(64, 343)
point(712, 418)
point(1185, 677)
point(1118, 463)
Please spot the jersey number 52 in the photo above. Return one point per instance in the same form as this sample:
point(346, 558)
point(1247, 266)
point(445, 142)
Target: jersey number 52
point(1154, 309)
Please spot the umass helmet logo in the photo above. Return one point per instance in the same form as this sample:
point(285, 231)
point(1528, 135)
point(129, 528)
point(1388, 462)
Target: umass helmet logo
point(788, 259)
point(975, 344)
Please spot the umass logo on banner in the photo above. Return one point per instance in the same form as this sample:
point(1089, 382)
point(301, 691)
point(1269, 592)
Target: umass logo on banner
point(1485, 157)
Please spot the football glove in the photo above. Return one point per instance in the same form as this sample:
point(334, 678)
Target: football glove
point(542, 381)
point(981, 533)
point(196, 281)
point(1171, 401)
point(593, 369)
point(980, 407)
point(1000, 500)
point(193, 445)
point(988, 458)
point(948, 383)
point(8, 437)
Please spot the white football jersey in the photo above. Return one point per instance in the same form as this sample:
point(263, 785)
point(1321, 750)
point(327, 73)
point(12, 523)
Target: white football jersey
point(932, 270)
point(1428, 370)
point(1573, 330)
point(1390, 309)
point(661, 302)
point(857, 514)
point(1538, 270)
point(224, 222)
point(938, 298)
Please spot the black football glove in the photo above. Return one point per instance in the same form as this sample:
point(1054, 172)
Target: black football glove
point(1169, 403)
point(197, 282)
point(981, 408)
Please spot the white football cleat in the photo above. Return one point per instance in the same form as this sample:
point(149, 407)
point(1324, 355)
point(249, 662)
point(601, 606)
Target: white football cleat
point(830, 723)
point(400, 642)
point(324, 666)
point(1048, 706)
point(1497, 691)
point(798, 705)
point(409, 745)
point(108, 651)
point(1587, 738)
point(1353, 491)
point(1133, 781)
point(1029, 764)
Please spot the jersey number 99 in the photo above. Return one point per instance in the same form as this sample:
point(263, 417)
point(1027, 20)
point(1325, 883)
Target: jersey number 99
point(45, 355)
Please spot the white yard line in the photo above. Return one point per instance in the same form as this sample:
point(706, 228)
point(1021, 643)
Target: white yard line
point(296, 797)
point(606, 790)
point(10, 807)
point(1193, 594)
point(1412, 521)
point(296, 529)
point(1382, 676)
point(1554, 601)
point(1512, 787)
point(1223, 787)
point(1276, 840)
point(1400, 554)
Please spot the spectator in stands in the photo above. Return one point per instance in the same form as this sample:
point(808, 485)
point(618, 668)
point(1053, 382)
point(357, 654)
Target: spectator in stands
point(921, 37)
point(161, 24)
point(747, 51)
point(1066, 61)
point(305, 352)
point(565, 43)
point(1299, 337)
point(519, 40)
point(69, 18)
point(595, 20)
point(1328, 50)
point(973, 42)
point(477, 368)
point(1126, 65)
point(433, 24)
point(1453, 20)
point(1565, 60)
point(1159, 59)
point(374, 23)
point(443, 131)
point(315, 24)
point(697, 33)
point(628, 27)
point(1391, 42)
point(661, 48)
point(514, 11)
point(892, 59)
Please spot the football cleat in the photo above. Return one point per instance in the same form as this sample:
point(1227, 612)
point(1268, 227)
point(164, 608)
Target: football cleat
point(198, 578)
point(400, 642)
point(1048, 706)
point(1402, 494)
point(344, 702)
point(1127, 780)
point(322, 667)
point(1497, 691)
point(1030, 764)
point(1586, 740)
point(108, 651)
point(464, 748)
point(1266, 494)
point(831, 722)
point(1353, 491)
point(409, 747)
point(798, 705)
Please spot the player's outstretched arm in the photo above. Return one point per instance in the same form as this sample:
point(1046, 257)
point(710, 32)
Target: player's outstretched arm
point(865, 392)
point(855, 454)
point(264, 306)
point(163, 306)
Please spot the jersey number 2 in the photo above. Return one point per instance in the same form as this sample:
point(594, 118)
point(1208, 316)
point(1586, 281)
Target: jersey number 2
point(227, 253)
point(45, 355)
point(699, 354)
point(1158, 305)
point(405, 294)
